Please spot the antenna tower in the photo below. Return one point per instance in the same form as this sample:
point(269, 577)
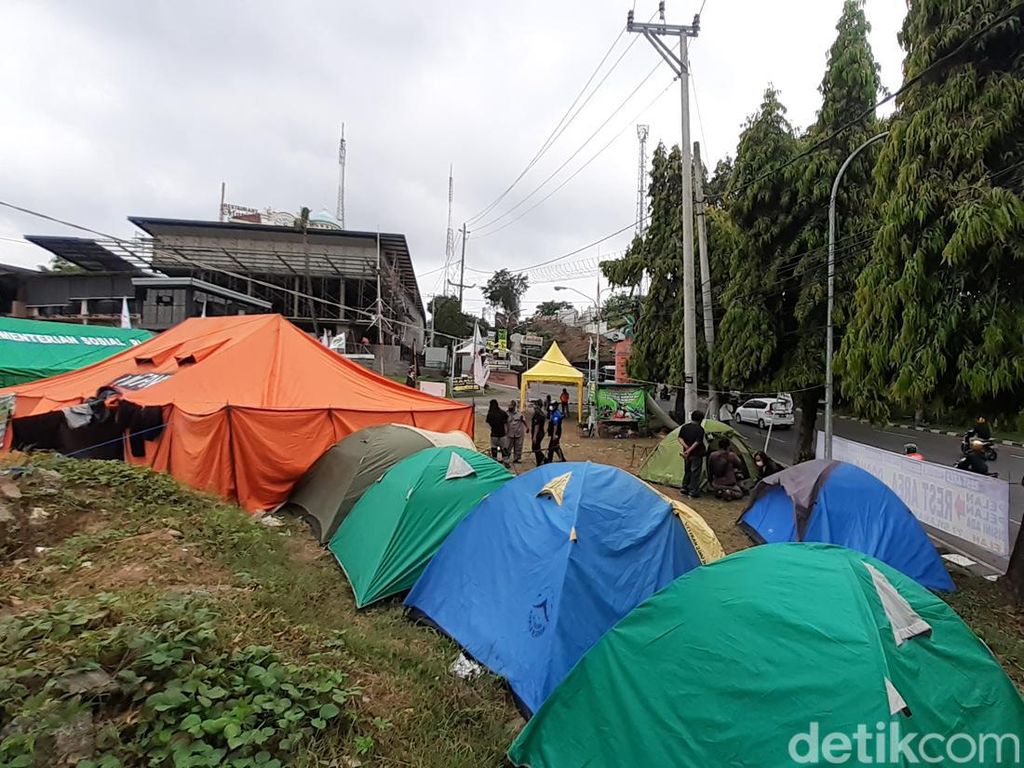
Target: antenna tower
point(340, 214)
point(449, 246)
point(641, 181)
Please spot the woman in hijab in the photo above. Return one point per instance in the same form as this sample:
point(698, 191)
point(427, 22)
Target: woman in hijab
point(497, 420)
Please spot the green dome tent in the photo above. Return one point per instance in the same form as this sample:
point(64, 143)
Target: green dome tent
point(771, 654)
point(664, 465)
point(334, 483)
point(397, 526)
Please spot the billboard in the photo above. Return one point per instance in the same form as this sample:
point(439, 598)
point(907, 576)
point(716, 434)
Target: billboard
point(955, 506)
point(625, 403)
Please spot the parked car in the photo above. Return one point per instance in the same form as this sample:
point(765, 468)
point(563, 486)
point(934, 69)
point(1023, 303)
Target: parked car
point(764, 411)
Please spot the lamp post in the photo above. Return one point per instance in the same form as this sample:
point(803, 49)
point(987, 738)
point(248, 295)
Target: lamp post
point(597, 322)
point(831, 287)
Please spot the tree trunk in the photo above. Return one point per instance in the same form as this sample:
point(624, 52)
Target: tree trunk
point(1015, 573)
point(807, 402)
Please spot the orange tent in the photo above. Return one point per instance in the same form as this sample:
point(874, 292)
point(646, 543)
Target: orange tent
point(248, 403)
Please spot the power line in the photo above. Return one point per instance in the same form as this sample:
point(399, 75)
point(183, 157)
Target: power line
point(579, 170)
point(872, 109)
point(573, 155)
point(559, 127)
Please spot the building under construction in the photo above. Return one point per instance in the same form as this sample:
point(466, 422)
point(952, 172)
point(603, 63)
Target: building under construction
point(322, 278)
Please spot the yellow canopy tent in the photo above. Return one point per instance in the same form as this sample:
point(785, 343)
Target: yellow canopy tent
point(553, 368)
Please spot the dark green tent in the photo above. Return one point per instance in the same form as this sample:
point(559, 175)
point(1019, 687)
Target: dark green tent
point(770, 655)
point(329, 489)
point(37, 349)
point(397, 526)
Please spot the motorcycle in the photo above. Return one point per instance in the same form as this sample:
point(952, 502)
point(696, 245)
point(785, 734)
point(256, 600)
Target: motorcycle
point(990, 451)
point(963, 465)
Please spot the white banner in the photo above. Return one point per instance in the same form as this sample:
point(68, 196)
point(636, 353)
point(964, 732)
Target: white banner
point(435, 388)
point(963, 505)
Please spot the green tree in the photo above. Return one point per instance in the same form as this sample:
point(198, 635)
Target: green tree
point(761, 208)
point(448, 319)
point(620, 309)
point(504, 291)
point(938, 315)
point(60, 264)
point(551, 308)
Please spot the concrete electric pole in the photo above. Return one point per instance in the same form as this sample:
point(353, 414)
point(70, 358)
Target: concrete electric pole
point(705, 272)
point(680, 65)
point(461, 285)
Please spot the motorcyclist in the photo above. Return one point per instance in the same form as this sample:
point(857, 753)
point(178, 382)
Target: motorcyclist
point(974, 460)
point(981, 429)
point(911, 452)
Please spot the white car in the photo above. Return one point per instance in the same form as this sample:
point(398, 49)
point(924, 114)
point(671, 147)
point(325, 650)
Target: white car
point(765, 411)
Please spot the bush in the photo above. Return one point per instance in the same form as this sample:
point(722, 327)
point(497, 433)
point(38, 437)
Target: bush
point(158, 689)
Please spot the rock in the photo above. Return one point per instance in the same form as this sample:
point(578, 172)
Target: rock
point(270, 521)
point(41, 550)
point(174, 533)
point(10, 490)
point(86, 564)
point(74, 741)
point(6, 516)
point(91, 682)
point(38, 516)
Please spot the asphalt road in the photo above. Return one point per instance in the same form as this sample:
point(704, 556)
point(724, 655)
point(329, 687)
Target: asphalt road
point(941, 449)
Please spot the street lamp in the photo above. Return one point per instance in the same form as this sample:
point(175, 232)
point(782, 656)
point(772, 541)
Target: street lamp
point(831, 287)
point(597, 323)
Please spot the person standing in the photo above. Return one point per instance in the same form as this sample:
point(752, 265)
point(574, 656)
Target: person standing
point(537, 424)
point(564, 400)
point(516, 432)
point(547, 404)
point(497, 420)
point(410, 377)
point(555, 447)
point(691, 439)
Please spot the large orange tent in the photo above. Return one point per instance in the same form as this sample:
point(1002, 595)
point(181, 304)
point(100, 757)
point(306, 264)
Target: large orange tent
point(247, 403)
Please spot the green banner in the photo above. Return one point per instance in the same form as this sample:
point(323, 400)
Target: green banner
point(625, 403)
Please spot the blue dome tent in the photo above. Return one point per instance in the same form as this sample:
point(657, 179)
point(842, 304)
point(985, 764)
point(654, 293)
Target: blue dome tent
point(549, 562)
point(838, 503)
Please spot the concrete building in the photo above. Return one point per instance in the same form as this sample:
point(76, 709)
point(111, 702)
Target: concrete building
point(180, 268)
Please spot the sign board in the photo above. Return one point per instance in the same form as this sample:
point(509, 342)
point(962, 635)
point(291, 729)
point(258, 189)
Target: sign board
point(502, 338)
point(435, 388)
point(623, 403)
point(953, 505)
point(533, 340)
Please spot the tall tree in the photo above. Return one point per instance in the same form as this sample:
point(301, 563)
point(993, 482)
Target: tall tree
point(504, 291)
point(621, 309)
point(938, 314)
point(848, 89)
point(760, 206)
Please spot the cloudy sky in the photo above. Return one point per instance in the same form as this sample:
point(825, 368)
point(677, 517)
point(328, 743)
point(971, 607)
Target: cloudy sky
point(113, 108)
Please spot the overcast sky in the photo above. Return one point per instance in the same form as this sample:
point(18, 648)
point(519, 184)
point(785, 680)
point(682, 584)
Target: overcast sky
point(117, 108)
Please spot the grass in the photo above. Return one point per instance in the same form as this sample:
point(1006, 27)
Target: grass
point(118, 530)
point(129, 545)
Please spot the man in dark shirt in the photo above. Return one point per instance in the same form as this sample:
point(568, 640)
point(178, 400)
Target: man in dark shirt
point(537, 424)
point(724, 471)
point(691, 439)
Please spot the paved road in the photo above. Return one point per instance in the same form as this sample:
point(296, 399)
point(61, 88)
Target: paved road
point(941, 449)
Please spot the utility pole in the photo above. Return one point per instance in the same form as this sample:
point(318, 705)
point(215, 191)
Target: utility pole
point(433, 311)
point(705, 272)
point(680, 65)
point(462, 269)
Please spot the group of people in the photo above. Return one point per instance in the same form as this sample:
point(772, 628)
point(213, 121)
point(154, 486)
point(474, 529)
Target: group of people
point(726, 470)
point(508, 430)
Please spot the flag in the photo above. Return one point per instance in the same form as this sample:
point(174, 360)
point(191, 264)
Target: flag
point(481, 369)
point(126, 319)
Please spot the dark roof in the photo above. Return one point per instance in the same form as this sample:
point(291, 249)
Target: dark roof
point(86, 253)
point(234, 259)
